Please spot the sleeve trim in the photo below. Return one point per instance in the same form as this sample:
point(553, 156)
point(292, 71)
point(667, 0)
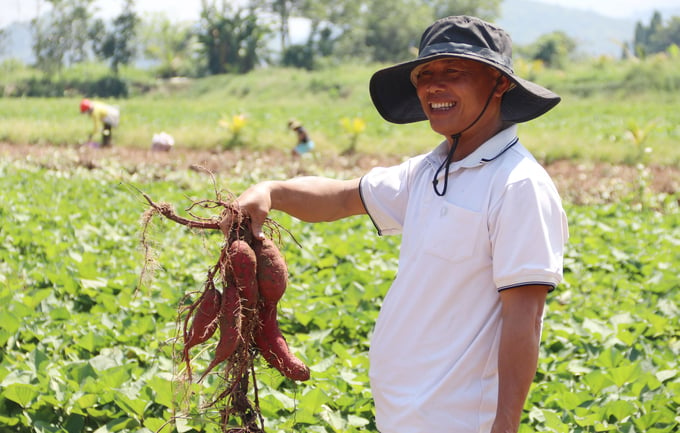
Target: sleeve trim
point(550, 285)
point(363, 201)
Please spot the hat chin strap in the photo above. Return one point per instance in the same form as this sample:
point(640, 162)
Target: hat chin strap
point(456, 139)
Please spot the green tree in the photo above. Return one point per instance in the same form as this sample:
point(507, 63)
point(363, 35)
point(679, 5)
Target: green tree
point(656, 37)
point(283, 10)
point(390, 30)
point(553, 49)
point(118, 45)
point(62, 36)
point(370, 30)
point(231, 37)
point(485, 9)
point(393, 28)
point(665, 36)
point(331, 23)
point(171, 44)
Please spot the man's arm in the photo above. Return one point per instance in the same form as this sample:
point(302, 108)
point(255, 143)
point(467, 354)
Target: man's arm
point(522, 312)
point(311, 199)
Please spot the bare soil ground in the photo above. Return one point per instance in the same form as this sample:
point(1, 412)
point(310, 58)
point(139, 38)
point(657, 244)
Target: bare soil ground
point(578, 182)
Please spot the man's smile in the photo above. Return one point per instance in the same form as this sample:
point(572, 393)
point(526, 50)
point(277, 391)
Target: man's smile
point(441, 106)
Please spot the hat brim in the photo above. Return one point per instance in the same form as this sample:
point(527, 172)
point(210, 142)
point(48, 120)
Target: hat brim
point(395, 98)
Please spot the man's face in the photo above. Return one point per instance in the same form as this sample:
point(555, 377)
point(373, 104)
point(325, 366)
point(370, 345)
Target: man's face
point(453, 92)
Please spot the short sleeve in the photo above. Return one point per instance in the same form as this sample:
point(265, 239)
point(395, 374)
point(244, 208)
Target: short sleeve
point(528, 231)
point(384, 192)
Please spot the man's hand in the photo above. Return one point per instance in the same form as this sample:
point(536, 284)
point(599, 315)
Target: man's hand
point(256, 201)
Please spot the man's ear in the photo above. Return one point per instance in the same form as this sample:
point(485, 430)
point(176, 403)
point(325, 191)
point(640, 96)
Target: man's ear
point(503, 85)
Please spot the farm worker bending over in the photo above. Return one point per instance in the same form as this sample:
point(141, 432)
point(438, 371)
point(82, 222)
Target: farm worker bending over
point(304, 144)
point(456, 343)
point(105, 118)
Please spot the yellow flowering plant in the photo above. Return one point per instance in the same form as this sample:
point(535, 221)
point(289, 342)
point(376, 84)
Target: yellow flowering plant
point(354, 127)
point(235, 126)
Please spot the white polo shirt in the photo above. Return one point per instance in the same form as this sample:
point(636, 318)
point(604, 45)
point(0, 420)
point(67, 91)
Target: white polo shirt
point(434, 351)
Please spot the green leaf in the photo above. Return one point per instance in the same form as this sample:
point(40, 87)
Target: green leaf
point(619, 409)
point(123, 424)
point(158, 425)
point(624, 374)
point(9, 321)
point(553, 422)
point(130, 402)
point(664, 375)
point(597, 381)
point(88, 342)
point(21, 393)
point(74, 423)
point(93, 284)
point(86, 401)
point(162, 390)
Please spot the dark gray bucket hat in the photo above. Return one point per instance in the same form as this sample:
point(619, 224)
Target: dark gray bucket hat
point(394, 95)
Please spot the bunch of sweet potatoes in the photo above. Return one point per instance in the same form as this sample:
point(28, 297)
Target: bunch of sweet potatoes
point(238, 303)
point(239, 298)
point(254, 277)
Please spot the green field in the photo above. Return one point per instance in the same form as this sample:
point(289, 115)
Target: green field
point(88, 347)
point(602, 107)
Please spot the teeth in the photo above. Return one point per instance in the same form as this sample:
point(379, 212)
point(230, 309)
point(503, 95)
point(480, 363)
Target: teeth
point(441, 105)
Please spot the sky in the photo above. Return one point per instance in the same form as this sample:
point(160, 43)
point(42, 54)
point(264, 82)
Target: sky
point(24, 10)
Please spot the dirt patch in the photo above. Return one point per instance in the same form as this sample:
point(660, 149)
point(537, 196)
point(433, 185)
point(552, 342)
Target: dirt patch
point(578, 182)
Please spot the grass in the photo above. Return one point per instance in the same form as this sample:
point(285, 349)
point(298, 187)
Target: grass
point(588, 125)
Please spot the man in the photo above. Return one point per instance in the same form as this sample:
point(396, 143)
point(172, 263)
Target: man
point(455, 346)
point(104, 117)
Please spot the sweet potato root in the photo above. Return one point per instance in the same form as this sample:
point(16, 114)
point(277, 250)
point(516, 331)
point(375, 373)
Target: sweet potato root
point(272, 272)
point(243, 271)
point(252, 277)
point(273, 345)
point(229, 320)
point(204, 322)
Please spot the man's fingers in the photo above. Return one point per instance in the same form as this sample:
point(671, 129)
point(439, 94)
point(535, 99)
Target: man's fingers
point(257, 230)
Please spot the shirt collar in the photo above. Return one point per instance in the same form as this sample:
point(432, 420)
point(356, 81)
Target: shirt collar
point(488, 151)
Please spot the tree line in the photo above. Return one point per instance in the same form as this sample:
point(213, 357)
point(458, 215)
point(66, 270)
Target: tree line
point(656, 37)
point(235, 37)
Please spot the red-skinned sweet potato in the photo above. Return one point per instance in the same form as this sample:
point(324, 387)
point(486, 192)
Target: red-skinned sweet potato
point(229, 320)
point(273, 345)
point(243, 272)
point(272, 272)
point(204, 321)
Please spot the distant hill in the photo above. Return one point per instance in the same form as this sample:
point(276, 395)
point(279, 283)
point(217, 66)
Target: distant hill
point(525, 20)
point(595, 34)
point(17, 43)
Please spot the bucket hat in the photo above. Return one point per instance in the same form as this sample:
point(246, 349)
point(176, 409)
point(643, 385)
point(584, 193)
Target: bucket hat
point(465, 37)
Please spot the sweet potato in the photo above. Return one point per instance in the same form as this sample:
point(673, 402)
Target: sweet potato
point(229, 321)
point(243, 272)
point(273, 345)
point(272, 272)
point(204, 321)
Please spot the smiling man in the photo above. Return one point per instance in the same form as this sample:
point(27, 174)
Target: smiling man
point(455, 346)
